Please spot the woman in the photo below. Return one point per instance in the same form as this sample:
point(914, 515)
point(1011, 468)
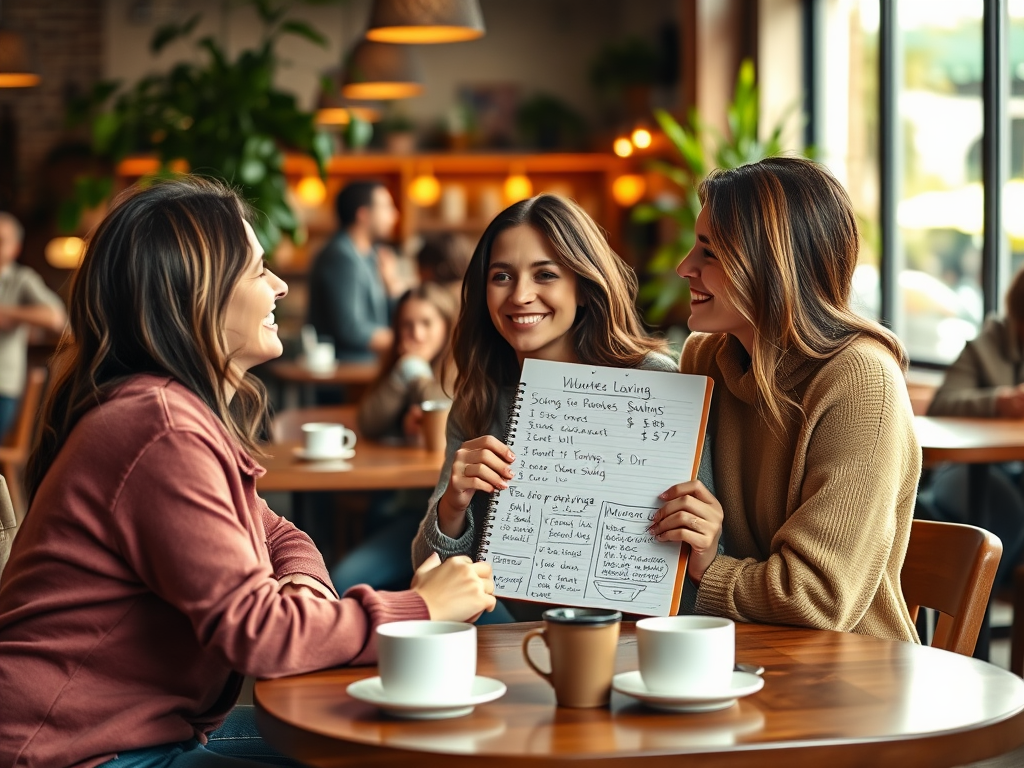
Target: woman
point(986, 381)
point(816, 463)
point(411, 373)
point(149, 577)
point(543, 283)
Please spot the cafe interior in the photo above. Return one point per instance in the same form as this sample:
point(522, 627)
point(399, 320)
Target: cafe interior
point(458, 109)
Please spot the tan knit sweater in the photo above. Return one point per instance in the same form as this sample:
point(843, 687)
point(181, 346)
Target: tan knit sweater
point(817, 516)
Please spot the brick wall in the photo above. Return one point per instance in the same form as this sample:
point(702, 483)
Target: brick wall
point(66, 39)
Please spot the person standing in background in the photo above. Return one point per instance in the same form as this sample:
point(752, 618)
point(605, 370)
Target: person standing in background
point(24, 301)
point(354, 282)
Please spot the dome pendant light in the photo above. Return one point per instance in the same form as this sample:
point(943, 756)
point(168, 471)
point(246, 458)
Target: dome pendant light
point(425, 21)
point(376, 71)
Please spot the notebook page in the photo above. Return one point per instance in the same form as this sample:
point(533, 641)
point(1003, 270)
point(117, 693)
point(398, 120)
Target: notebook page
point(594, 446)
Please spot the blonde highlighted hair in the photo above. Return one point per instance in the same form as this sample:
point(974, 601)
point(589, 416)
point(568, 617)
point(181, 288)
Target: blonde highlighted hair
point(786, 236)
point(150, 297)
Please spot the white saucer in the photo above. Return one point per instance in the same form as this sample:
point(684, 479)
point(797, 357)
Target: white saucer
point(743, 684)
point(301, 453)
point(371, 691)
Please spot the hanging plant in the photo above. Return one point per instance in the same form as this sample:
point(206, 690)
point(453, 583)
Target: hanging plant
point(221, 118)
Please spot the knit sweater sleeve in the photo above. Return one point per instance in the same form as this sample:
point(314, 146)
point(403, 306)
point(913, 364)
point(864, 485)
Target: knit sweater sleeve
point(186, 535)
point(860, 464)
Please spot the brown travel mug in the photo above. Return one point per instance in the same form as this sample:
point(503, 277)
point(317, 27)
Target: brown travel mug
point(582, 644)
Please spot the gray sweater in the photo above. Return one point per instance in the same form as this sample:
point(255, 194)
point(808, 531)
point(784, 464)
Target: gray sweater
point(430, 539)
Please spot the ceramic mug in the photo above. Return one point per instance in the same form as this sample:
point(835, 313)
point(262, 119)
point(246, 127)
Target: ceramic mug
point(581, 643)
point(320, 358)
point(326, 440)
point(427, 661)
point(686, 655)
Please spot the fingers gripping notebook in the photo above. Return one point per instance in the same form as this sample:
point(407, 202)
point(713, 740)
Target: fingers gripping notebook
point(595, 446)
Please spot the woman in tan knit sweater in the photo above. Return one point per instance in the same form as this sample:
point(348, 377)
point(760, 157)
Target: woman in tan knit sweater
point(816, 463)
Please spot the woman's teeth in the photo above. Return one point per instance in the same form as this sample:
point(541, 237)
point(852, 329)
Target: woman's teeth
point(696, 297)
point(269, 320)
point(527, 319)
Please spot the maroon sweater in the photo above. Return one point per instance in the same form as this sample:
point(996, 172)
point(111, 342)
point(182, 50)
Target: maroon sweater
point(144, 584)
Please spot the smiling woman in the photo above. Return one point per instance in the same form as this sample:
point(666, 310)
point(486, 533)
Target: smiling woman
point(149, 577)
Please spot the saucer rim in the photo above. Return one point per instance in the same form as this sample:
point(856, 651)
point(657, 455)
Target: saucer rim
point(299, 452)
point(754, 684)
point(499, 690)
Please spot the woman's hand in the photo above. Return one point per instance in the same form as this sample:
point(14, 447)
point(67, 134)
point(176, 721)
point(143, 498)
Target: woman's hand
point(692, 515)
point(456, 590)
point(481, 464)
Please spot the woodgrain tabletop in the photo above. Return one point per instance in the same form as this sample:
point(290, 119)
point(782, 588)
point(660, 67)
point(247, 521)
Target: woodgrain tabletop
point(829, 699)
point(969, 440)
point(343, 373)
point(374, 467)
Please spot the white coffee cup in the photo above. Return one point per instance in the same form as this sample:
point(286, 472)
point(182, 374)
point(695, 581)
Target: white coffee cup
point(427, 661)
point(320, 357)
point(327, 440)
point(686, 655)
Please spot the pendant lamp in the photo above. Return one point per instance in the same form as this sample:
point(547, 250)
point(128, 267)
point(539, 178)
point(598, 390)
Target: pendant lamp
point(15, 71)
point(425, 21)
point(379, 71)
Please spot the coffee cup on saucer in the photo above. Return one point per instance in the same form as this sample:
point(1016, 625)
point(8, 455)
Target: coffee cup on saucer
point(686, 655)
point(327, 441)
point(581, 643)
point(427, 661)
point(319, 358)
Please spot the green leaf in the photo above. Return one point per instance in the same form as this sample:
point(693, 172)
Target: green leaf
point(645, 213)
point(68, 215)
point(302, 29)
point(252, 171)
point(171, 32)
point(104, 130)
point(323, 149)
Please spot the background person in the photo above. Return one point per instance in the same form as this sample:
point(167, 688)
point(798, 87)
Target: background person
point(25, 301)
point(354, 280)
point(986, 381)
point(149, 577)
point(815, 458)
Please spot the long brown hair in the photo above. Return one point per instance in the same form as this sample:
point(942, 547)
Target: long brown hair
point(786, 236)
point(150, 297)
point(607, 329)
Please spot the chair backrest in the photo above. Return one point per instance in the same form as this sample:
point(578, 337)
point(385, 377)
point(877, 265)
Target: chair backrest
point(19, 439)
point(950, 568)
point(8, 525)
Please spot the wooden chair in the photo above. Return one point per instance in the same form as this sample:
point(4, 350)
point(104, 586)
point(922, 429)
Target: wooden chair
point(8, 525)
point(14, 453)
point(951, 567)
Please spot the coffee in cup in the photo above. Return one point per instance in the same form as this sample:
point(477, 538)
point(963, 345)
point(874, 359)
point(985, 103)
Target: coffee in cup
point(686, 655)
point(427, 661)
point(581, 643)
point(319, 358)
point(435, 423)
point(327, 440)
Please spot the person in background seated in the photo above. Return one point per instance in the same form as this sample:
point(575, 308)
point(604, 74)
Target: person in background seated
point(815, 458)
point(987, 381)
point(544, 284)
point(149, 577)
point(354, 280)
point(414, 371)
point(444, 259)
point(24, 301)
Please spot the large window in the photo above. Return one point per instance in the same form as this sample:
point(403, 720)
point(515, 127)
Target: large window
point(934, 165)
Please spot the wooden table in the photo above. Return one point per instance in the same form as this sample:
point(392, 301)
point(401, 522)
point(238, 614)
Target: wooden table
point(299, 381)
point(374, 467)
point(976, 442)
point(829, 698)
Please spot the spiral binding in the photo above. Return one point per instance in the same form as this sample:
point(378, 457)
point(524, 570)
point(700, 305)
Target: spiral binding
point(511, 422)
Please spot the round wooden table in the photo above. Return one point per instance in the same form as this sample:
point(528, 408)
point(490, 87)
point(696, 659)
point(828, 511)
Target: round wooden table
point(298, 381)
point(829, 699)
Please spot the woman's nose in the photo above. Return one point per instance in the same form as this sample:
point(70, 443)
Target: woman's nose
point(523, 293)
point(280, 288)
point(685, 268)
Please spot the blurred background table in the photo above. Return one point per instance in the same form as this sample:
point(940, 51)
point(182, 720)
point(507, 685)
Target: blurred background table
point(298, 384)
point(374, 467)
point(829, 698)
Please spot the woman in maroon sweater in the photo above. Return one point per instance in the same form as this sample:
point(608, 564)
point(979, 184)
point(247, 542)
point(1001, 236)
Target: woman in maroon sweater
point(149, 577)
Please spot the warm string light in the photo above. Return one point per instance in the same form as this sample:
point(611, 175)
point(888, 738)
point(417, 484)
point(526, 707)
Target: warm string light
point(622, 147)
point(517, 186)
point(641, 138)
point(629, 189)
point(425, 189)
point(311, 191)
point(65, 252)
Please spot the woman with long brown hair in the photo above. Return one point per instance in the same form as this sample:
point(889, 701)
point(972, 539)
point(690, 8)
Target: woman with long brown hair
point(815, 459)
point(149, 577)
point(543, 283)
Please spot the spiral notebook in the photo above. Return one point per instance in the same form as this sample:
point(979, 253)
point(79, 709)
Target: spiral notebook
point(594, 447)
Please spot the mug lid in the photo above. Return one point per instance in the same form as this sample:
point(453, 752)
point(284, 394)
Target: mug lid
point(436, 405)
point(589, 616)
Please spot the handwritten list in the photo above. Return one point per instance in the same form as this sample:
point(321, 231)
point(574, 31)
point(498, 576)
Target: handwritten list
point(595, 446)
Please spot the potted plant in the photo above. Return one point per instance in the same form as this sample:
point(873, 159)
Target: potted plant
point(216, 116)
point(701, 148)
